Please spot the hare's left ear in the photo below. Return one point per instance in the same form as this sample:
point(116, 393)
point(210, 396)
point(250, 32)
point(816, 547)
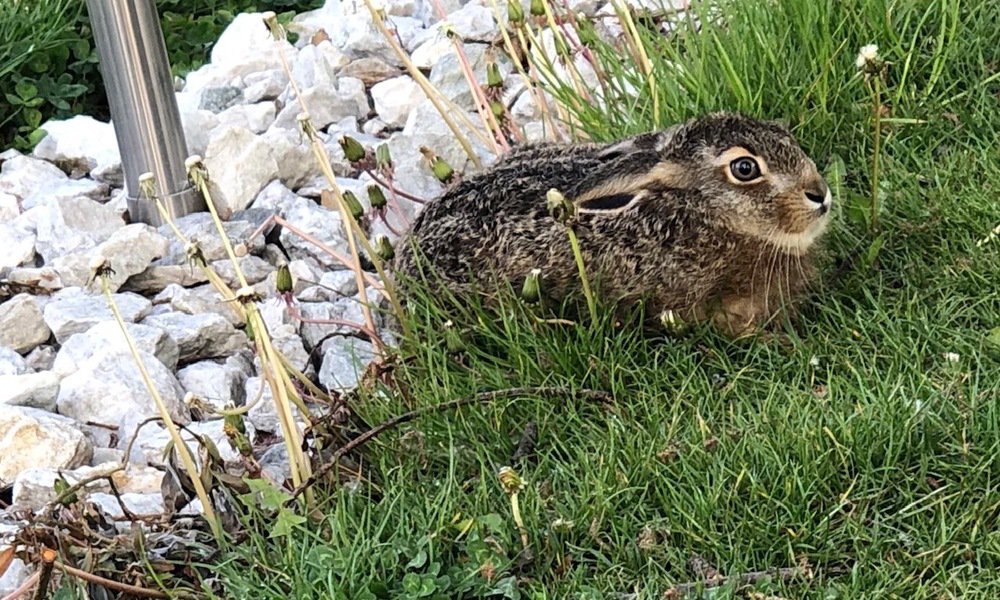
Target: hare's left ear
point(656, 141)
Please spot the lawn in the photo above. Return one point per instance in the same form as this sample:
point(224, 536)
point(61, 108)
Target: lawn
point(870, 449)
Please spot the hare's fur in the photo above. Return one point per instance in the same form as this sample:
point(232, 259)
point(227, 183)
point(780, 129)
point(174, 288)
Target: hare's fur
point(661, 219)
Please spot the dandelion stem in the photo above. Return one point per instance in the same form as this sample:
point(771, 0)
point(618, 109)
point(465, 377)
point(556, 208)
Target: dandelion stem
point(876, 152)
point(578, 255)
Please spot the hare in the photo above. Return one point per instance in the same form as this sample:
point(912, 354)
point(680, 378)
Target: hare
point(712, 219)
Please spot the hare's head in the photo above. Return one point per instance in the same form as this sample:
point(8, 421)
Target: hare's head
point(751, 175)
point(755, 176)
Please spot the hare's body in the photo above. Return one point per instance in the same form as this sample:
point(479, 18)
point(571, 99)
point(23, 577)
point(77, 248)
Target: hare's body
point(649, 226)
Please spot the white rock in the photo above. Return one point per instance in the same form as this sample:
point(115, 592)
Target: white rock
point(432, 50)
point(198, 127)
point(219, 98)
point(246, 37)
point(81, 347)
point(72, 225)
point(34, 487)
point(255, 117)
point(473, 23)
point(332, 285)
point(151, 442)
point(352, 90)
point(129, 251)
point(369, 70)
point(264, 85)
point(357, 36)
point(80, 145)
point(22, 326)
point(347, 310)
point(139, 505)
point(239, 165)
point(10, 208)
point(325, 104)
point(344, 361)
point(22, 175)
point(35, 438)
point(263, 414)
point(214, 383)
point(200, 229)
point(317, 65)
point(12, 363)
point(34, 390)
point(42, 278)
point(297, 165)
point(395, 98)
point(75, 312)
point(109, 387)
point(16, 574)
point(320, 223)
point(448, 77)
point(199, 336)
point(18, 243)
point(41, 358)
point(156, 278)
point(195, 301)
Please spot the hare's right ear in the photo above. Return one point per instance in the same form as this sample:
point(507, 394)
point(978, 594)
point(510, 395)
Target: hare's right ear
point(656, 141)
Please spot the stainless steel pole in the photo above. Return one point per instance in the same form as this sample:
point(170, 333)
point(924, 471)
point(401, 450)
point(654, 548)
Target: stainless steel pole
point(143, 106)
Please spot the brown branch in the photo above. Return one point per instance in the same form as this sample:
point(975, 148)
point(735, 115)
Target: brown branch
point(109, 583)
point(406, 417)
point(45, 574)
point(803, 571)
point(23, 588)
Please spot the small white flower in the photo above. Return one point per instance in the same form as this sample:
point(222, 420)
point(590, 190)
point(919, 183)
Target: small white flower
point(867, 54)
point(952, 357)
point(814, 361)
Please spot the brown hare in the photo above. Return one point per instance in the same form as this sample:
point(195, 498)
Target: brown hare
point(715, 218)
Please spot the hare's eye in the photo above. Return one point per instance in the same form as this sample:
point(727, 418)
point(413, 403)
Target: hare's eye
point(745, 169)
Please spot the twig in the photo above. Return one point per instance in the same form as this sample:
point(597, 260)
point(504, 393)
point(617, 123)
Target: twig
point(109, 583)
point(742, 579)
point(406, 417)
point(45, 574)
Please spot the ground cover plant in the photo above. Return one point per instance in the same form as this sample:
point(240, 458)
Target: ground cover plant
point(862, 461)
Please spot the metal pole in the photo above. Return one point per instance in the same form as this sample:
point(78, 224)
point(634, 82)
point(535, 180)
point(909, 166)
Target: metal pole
point(143, 106)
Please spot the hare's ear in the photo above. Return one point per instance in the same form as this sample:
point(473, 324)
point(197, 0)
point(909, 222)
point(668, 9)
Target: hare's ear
point(608, 203)
point(654, 140)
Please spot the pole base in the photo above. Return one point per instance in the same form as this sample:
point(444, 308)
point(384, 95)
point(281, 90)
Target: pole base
point(177, 205)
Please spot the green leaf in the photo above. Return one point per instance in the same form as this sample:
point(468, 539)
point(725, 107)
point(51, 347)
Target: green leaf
point(286, 523)
point(32, 117)
point(25, 90)
point(14, 100)
point(418, 561)
point(993, 338)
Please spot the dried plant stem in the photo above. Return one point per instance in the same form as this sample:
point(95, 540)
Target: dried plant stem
point(639, 49)
point(432, 94)
point(45, 573)
point(182, 450)
point(24, 588)
point(530, 82)
point(482, 105)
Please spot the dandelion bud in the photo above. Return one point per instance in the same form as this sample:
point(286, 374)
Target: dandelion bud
point(562, 48)
point(352, 148)
point(383, 160)
point(493, 77)
point(562, 525)
point(376, 197)
point(510, 480)
point(515, 14)
point(561, 209)
point(531, 291)
point(537, 8)
point(586, 32)
point(442, 170)
point(383, 247)
point(453, 341)
point(496, 107)
point(353, 204)
point(284, 282)
point(235, 430)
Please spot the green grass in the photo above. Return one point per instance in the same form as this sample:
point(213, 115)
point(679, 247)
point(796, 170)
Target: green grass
point(878, 462)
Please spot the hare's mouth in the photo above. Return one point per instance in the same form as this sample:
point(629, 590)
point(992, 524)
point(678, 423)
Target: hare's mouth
point(799, 243)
